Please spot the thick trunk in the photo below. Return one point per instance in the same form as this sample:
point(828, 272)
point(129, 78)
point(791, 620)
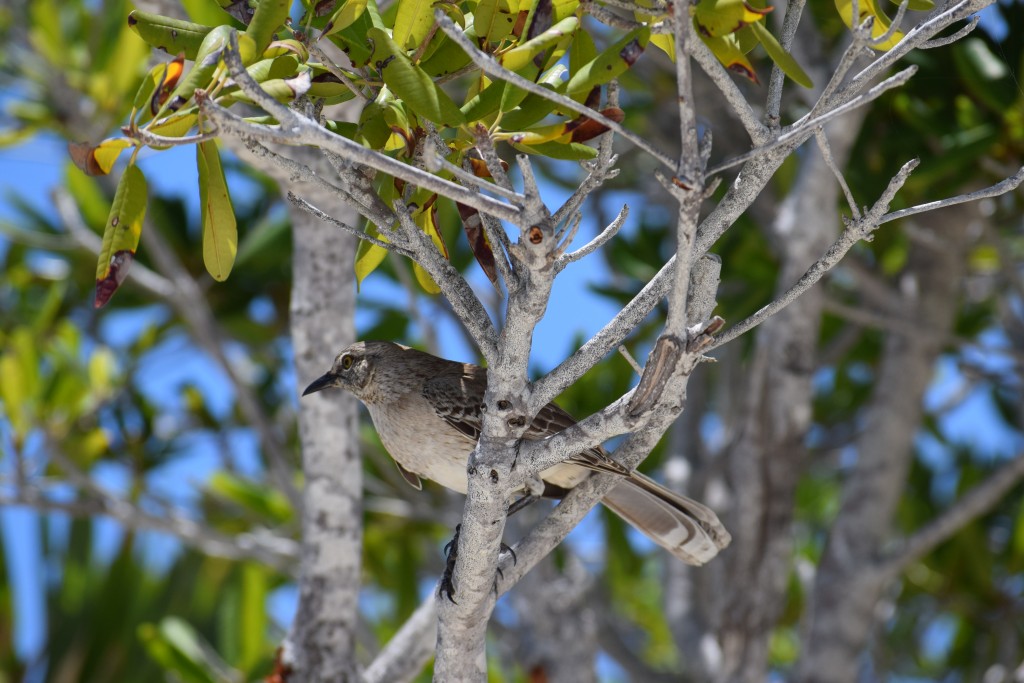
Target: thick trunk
point(849, 581)
point(768, 458)
point(322, 307)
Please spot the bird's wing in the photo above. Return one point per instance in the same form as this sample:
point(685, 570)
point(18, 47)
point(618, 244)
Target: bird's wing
point(457, 397)
point(551, 420)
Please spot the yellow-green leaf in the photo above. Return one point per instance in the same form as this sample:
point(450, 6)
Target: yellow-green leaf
point(413, 22)
point(268, 17)
point(721, 17)
point(344, 16)
point(868, 8)
point(121, 235)
point(220, 233)
point(98, 159)
point(573, 151)
point(425, 280)
point(369, 255)
point(102, 369)
point(520, 56)
point(728, 51)
point(494, 19)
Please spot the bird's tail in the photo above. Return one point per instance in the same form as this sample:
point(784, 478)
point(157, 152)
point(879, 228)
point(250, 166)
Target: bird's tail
point(684, 527)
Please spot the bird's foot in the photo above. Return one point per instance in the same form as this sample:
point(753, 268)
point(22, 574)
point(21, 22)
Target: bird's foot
point(451, 554)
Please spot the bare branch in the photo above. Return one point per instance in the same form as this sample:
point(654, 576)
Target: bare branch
point(978, 501)
point(796, 134)
point(1008, 185)
point(295, 129)
point(596, 243)
point(794, 10)
point(959, 35)
point(309, 208)
point(854, 233)
point(739, 105)
point(826, 154)
point(273, 551)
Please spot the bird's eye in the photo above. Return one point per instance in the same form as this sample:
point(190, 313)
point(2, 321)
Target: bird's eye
point(346, 362)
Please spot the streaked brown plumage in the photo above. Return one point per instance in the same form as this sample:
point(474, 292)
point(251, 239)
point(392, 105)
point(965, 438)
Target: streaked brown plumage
point(427, 411)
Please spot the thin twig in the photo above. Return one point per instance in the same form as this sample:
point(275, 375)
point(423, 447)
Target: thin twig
point(790, 23)
point(629, 359)
point(962, 33)
point(893, 26)
point(854, 233)
point(279, 553)
point(826, 154)
point(1008, 185)
point(328, 64)
point(154, 140)
point(312, 210)
point(802, 129)
point(738, 104)
point(609, 232)
point(296, 129)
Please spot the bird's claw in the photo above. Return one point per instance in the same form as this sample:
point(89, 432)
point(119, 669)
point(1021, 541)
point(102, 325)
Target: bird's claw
point(451, 554)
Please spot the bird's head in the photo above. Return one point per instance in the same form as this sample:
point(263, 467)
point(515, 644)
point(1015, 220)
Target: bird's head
point(355, 368)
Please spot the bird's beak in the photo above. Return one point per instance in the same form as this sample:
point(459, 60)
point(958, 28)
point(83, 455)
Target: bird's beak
point(322, 382)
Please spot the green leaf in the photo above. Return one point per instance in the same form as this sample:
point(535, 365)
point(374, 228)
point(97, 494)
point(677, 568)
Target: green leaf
point(449, 57)
point(176, 647)
point(202, 72)
point(573, 151)
point(521, 56)
point(88, 196)
point(352, 39)
point(269, 16)
point(220, 232)
point(102, 371)
point(252, 616)
point(612, 62)
point(121, 234)
point(785, 60)
point(411, 84)
point(729, 52)
point(173, 36)
point(266, 503)
point(97, 159)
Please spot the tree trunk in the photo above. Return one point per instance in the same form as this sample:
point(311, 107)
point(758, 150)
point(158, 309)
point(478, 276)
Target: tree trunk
point(848, 583)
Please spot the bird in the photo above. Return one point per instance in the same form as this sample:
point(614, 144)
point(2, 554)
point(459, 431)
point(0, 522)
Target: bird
point(428, 412)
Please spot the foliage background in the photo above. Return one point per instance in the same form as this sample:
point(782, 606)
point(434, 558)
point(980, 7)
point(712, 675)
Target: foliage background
point(128, 398)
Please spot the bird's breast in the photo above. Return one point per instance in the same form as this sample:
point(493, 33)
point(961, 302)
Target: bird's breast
point(422, 442)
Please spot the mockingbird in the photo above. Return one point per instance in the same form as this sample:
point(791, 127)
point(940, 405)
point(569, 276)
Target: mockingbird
point(428, 413)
